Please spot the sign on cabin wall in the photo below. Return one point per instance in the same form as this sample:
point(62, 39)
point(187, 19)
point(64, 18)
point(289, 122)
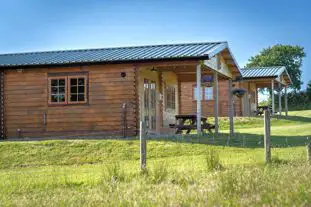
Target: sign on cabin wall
point(207, 80)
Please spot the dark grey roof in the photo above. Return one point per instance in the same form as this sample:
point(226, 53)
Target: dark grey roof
point(261, 72)
point(118, 54)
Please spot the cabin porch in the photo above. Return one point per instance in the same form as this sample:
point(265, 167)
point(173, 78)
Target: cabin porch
point(159, 91)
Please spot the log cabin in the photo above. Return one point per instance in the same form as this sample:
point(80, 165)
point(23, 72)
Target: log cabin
point(251, 80)
point(110, 90)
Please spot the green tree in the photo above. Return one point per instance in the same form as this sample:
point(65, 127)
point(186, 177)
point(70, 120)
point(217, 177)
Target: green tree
point(282, 55)
point(309, 90)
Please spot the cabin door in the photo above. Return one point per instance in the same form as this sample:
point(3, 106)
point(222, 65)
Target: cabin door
point(150, 104)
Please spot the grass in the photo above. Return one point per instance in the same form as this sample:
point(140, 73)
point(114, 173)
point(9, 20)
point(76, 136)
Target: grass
point(180, 172)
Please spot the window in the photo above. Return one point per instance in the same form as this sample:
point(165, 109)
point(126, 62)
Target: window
point(170, 97)
point(67, 89)
point(58, 90)
point(206, 93)
point(195, 93)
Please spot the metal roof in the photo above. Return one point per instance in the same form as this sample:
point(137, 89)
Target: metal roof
point(266, 72)
point(202, 50)
point(261, 72)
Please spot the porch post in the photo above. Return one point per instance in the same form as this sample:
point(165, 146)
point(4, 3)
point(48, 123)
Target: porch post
point(159, 101)
point(280, 99)
point(199, 98)
point(256, 96)
point(216, 102)
point(286, 106)
point(272, 94)
point(231, 108)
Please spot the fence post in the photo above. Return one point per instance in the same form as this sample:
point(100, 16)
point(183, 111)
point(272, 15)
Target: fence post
point(143, 150)
point(267, 135)
point(309, 151)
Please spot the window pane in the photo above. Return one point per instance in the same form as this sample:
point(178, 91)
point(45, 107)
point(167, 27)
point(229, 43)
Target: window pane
point(61, 98)
point(81, 89)
point(81, 97)
point(54, 90)
point(73, 81)
point(54, 82)
point(61, 82)
point(54, 98)
point(81, 81)
point(73, 89)
point(61, 89)
point(73, 97)
point(208, 93)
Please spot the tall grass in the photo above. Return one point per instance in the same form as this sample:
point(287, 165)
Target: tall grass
point(212, 160)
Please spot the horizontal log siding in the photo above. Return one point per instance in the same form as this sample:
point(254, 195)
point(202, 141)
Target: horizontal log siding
point(188, 105)
point(26, 95)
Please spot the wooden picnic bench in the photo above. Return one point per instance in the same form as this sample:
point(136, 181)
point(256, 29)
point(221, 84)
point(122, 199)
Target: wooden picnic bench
point(181, 124)
point(260, 109)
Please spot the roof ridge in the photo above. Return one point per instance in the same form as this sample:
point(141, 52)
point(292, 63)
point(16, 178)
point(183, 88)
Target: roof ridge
point(262, 67)
point(111, 48)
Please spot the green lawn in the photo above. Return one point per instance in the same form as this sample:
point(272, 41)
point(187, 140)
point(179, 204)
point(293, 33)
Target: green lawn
point(182, 171)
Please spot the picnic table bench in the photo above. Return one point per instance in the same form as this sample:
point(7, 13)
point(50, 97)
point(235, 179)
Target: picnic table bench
point(180, 123)
point(260, 109)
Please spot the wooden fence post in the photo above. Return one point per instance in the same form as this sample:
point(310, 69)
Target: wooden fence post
point(267, 135)
point(143, 146)
point(309, 151)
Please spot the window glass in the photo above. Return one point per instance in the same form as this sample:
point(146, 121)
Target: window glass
point(208, 93)
point(170, 97)
point(67, 89)
point(57, 90)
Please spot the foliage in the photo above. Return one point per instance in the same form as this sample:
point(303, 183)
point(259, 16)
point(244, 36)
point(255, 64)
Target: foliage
point(308, 90)
point(265, 102)
point(296, 100)
point(282, 55)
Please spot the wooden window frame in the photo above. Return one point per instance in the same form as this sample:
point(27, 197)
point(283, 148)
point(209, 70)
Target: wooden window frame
point(69, 87)
point(202, 93)
point(68, 77)
point(170, 90)
point(50, 90)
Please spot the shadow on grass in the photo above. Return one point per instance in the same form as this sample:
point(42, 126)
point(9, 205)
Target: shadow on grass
point(239, 140)
point(296, 118)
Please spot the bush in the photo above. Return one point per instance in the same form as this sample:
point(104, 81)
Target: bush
point(212, 160)
point(296, 100)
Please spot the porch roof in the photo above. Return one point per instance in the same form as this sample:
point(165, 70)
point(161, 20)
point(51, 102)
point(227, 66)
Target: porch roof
point(274, 72)
point(187, 51)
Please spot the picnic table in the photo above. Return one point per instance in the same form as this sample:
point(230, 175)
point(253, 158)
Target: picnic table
point(181, 123)
point(260, 109)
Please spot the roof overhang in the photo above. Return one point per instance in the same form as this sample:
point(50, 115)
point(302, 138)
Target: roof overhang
point(280, 76)
point(221, 60)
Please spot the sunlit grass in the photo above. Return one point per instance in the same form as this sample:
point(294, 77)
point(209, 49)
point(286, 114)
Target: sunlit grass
point(196, 171)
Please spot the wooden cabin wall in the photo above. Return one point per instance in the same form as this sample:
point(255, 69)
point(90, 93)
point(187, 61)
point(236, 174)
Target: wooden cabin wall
point(26, 101)
point(188, 105)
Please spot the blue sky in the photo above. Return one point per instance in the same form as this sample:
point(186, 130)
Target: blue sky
point(248, 26)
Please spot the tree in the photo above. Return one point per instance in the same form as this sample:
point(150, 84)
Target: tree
point(282, 55)
point(308, 90)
